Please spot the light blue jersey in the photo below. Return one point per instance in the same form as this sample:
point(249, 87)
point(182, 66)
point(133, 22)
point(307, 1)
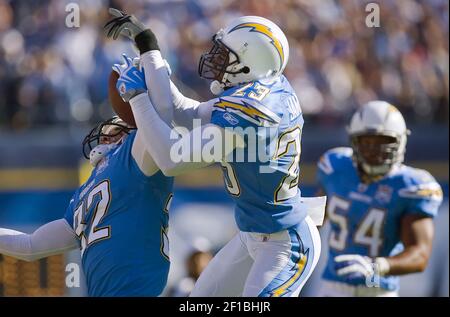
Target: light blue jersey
point(263, 178)
point(365, 219)
point(121, 218)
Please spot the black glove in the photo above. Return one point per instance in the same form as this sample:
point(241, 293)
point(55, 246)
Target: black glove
point(129, 26)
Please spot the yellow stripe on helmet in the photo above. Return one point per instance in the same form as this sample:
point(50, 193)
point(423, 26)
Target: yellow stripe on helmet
point(263, 29)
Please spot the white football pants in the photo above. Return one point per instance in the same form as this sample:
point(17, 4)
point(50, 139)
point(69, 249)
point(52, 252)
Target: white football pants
point(262, 265)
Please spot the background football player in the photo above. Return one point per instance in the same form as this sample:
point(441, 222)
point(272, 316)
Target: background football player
point(380, 210)
point(119, 217)
point(278, 245)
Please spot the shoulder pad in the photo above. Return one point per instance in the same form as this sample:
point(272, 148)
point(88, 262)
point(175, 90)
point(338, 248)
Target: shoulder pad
point(333, 158)
point(420, 184)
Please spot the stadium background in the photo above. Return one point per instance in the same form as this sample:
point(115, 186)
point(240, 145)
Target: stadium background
point(53, 85)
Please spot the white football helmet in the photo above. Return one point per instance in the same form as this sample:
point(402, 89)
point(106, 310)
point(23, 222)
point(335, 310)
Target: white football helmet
point(250, 48)
point(382, 119)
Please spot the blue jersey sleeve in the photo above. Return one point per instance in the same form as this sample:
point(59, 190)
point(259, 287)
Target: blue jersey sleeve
point(330, 163)
point(70, 211)
point(423, 195)
point(242, 112)
point(126, 157)
point(127, 161)
point(227, 119)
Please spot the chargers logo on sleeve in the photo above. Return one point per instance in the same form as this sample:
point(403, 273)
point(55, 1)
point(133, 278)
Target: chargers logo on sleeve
point(428, 191)
point(257, 114)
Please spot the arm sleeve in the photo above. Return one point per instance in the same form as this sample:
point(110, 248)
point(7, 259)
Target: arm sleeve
point(158, 84)
point(170, 104)
point(187, 109)
point(174, 154)
point(52, 238)
point(142, 157)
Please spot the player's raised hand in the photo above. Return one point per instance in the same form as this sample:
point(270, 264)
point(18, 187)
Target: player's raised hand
point(123, 24)
point(131, 81)
point(129, 26)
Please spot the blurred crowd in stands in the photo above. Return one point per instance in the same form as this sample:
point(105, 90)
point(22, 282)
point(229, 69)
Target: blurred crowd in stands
point(51, 74)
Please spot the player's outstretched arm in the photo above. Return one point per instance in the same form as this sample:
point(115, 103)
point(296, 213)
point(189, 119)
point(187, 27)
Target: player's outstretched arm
point(172, 106)
point(161, 141)
point(151, 62)
point(165, 148)
point(52, 238)
point(417, 236)
point(169, 102)
point(187, 109)
point(158, 83)
point(142, 157)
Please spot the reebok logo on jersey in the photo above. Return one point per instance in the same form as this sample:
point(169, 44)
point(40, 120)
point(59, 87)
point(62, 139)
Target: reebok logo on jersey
point(232, 120)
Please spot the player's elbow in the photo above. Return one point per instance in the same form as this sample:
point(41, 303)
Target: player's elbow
point(169, 172)
point(422, 258)
point(422, 264)
point(170, 169)
point(27, 257)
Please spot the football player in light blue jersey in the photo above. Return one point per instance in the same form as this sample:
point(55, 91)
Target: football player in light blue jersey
point(118, 217)
point(268, 189)
point(278, 244)
point(380, 211)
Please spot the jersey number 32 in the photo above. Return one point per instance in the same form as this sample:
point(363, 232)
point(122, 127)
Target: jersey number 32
point(96, 204)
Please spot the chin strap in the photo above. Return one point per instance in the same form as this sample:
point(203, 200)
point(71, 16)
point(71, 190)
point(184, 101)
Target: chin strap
point(100, 151)
point(376, 170)
point(217, 87)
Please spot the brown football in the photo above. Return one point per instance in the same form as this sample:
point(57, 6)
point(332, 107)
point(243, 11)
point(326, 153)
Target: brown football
point(120, 107)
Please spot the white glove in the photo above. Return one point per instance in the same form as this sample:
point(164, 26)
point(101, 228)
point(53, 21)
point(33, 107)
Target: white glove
point(356, 268)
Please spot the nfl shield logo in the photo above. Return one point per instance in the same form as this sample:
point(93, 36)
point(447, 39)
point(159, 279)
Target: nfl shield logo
point(102, 165)
point(362, 187)
point(384, 194)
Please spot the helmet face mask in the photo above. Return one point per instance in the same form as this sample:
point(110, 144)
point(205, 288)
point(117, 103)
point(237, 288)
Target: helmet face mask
point(109, 131)
point(375, 154)
point(378, 136)
point(248, 49)
point(214, 65)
